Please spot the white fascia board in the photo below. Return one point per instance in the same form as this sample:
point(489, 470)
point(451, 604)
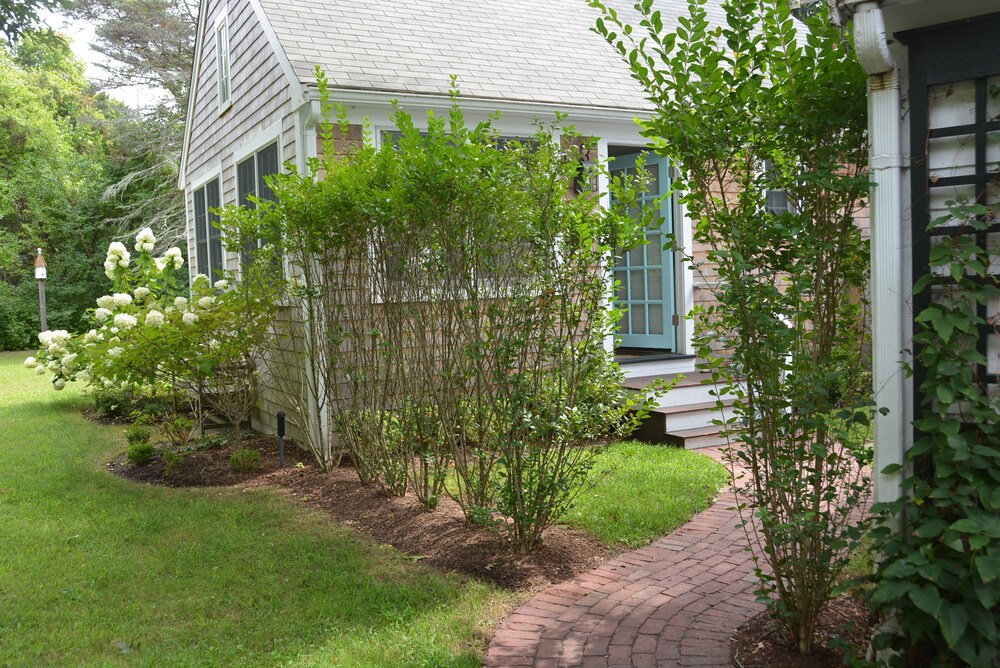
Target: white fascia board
point(298, 92)
point(374, 98)
point(192, 92)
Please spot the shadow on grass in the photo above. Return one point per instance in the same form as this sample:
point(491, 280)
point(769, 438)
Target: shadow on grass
point(99, 570)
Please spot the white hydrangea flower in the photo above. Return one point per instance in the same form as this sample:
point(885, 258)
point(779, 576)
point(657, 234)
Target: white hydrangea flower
point(205, 302)
point(122, 299)
point(107, 301)
point(173, 255)
point(154, 318)
point(45, 338)
point(40, 370)
point(114, 330)
point(125, 321)
point(116, 351)
point(221, 284)
point(213, 344)
point(102, 314)
point(190, 318)
point(181, 302)
point(108, 383)
point(118, 256)
point(160, 262)
point(69, 362)
point(141, 293)
point(56, 349)
point(30, 363)
point(58, 383)
point(52, 365)
point(145, 235)
point(145, 240)
point(90, 337)
point(169, 310)
point(200, 280)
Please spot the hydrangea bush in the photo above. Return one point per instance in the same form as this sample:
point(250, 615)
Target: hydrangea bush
point(153, 330)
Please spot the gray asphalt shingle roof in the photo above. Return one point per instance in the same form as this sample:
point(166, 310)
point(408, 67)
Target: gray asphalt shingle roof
point(522, 50)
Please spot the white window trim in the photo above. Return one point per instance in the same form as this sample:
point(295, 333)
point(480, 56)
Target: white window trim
point(196, 184)
point(222, 27)
point(270, 134)
point(273, 134)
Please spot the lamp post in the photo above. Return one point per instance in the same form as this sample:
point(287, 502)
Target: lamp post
point(40, 275)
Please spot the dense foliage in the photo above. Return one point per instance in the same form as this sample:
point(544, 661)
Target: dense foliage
point(939, 576)
point(54, 165)
point(763, 104)
point(454, 312)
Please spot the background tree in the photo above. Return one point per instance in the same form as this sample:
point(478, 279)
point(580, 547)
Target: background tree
point(18, 16)
point(148, 43)
point(54, 166)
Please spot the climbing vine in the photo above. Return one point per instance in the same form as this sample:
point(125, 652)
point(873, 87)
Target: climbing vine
point(940, 570)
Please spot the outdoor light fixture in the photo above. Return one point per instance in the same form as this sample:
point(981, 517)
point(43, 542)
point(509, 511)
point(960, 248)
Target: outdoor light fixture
point(41, 273)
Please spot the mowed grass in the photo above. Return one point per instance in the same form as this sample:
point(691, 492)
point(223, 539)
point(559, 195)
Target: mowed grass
point(95, 570)
point(640, 492)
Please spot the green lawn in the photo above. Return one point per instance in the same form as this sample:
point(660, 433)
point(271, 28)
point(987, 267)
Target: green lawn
point(640, 492)
point(95, 570)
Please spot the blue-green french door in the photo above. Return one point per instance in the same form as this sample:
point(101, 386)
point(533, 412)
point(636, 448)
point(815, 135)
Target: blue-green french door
point(645, 274)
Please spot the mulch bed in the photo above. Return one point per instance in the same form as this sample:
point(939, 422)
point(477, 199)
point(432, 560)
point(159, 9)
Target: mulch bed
point(209, 467)
point(756, 644)
point(441, 539)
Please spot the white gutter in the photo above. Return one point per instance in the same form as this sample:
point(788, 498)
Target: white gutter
point(886, 243)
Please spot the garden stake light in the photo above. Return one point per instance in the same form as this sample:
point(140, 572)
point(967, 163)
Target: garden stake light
point(281, 439)
point(41, 272)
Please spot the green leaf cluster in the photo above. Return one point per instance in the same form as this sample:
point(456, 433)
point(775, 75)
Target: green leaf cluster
point(940, 572)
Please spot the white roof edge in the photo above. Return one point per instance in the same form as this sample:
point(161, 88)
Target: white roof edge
point(298, 90)
point(440, 101)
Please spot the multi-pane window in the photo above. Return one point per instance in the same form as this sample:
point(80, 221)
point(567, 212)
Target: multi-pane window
point(777, 200)
point(208, 237)
point(222, 61)
point(251, 181)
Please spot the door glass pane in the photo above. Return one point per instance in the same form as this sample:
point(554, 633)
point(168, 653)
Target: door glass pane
point(656, 319)
point(653, 183)
point(635, 257)
point(637, 285)
point(622, 291)
point(638, 317)
point(654, 254)
point(655, 284)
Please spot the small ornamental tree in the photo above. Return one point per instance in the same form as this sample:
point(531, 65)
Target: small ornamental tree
point(765, 104)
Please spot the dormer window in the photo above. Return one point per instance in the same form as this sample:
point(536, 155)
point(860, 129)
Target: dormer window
point(222, 61)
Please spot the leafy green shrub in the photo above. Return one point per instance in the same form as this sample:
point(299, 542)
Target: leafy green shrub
point(137, 434)
point(140, 453)
point(245, 460)
point(171, 461)
point(113, 403)
point(176, 431)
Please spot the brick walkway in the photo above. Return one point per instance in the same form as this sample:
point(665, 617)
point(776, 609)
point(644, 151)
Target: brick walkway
point(672, 603)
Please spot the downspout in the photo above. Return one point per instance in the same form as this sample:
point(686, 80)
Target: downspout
point(884, 128)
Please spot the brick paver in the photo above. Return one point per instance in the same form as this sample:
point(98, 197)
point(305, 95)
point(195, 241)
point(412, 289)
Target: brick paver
point(674, 602)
